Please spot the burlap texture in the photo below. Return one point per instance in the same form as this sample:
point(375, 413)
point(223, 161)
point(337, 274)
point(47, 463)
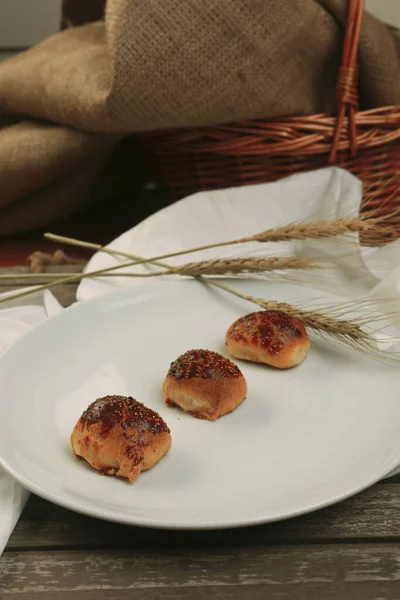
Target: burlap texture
point(167, 63)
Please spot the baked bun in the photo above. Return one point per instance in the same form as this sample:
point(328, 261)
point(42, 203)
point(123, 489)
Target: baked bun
point(120, 436)
point(204, 383)
point(271, 337)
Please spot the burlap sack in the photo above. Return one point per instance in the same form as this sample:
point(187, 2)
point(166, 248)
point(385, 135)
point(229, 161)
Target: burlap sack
point(167, 63)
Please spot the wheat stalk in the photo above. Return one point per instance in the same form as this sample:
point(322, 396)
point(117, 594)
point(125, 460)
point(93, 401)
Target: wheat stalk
point(348, 331)
point(236, 266)
point(313, 231)
point(323, 322)
point(63, 275)
point(319, 321)
point(317, 230)
point(220, 266)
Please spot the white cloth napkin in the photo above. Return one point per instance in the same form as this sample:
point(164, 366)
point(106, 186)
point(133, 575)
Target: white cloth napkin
point(209, 217)
point(16, 319)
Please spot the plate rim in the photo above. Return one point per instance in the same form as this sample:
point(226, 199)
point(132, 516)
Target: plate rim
point(124, 518)
point(186, 526)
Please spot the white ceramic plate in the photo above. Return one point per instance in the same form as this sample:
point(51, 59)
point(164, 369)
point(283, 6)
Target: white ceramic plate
point(302, 439)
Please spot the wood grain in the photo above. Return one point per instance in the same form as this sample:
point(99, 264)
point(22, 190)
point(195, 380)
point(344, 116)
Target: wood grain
point(66, 293)
point(338, 571)
point(305, 591)
point(374, 514)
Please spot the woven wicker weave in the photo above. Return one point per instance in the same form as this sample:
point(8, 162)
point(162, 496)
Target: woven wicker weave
point(364, 142)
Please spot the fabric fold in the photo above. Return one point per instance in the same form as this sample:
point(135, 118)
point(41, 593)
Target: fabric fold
point(170, 64)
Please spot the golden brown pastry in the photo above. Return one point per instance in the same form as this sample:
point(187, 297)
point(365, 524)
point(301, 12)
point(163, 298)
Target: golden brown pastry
point(204, 383)
point(271, 337)
point(119, 436)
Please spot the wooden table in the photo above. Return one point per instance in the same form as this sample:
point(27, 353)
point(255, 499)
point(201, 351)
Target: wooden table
point(349, 551)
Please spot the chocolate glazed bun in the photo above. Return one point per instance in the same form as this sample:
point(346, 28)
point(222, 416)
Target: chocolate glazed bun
point(204, 383)
point(119, 436)
point(271, 337)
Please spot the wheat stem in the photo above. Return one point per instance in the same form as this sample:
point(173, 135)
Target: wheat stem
point(315, 320)
point(63, 275)
point(298, 231)
point(210, 267)
point(235, 266)
point(346, 331)
point(319, 321)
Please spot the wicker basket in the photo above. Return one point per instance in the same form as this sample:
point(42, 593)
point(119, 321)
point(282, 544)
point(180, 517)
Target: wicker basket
point(364, 142)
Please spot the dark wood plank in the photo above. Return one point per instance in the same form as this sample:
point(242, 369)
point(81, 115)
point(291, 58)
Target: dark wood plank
point(391, 480)
point(20, 271)
point(305, 591)
point(321, 572)
point(65, 293)
point(17, 277)
point(374, 514)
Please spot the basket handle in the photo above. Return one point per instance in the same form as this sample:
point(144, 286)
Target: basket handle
point(347, 84)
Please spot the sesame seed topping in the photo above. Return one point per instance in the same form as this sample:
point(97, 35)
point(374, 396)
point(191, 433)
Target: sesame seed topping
point(203, 363)
point(271, 329)
point(124, 411)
